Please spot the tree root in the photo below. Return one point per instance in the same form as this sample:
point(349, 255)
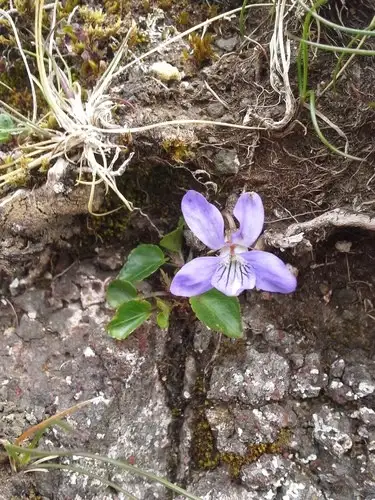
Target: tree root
point(295, 234)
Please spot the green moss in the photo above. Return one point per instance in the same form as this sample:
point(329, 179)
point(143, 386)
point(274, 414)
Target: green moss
point(177, 149)
point(24, 6)
point(108, 228)
point(120, 7)
point(19, 176)
point(31, 495)
point(92, 39)
point(138, 37)
point(206, 456)
point(165, 4)
point(183, 18)
point(199, 387)
point(176, 412)
point(201, 48)
point(204, 452)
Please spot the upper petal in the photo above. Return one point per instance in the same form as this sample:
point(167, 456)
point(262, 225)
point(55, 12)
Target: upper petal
point(272, 275)
point(204, 219)
point(195, 277)
point(249, 212)
point(233, 275)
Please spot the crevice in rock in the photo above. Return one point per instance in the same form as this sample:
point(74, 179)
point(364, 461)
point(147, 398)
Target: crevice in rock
point(171, 369)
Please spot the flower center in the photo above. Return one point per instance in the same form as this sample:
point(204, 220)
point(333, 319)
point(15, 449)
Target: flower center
point(231, 249)
point(233, 274)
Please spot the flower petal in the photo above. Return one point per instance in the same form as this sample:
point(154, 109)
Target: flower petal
point(272, 275)
point(195, 277)
point(233, 276)
point(204, 219)
point(249, 212)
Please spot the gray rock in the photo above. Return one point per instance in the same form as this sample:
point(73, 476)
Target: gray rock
point(32, 301)
point(236, 428)
point(65, 289)
point(75, 360)
point(360, 379)
point(310, 379)
point(226, 162)
point(202, 338)
point(255, 380)
point(190, 377)
point(302, 444)
point(276, 337)
point(30, 329)
point(215, 110)
point(264, 424)
point(218, 485)
point(267, 474)
point(332, 429)
point(222, 424)
point(92, 292)
point(300, 487)
point(367, 415)
point(337, 368)
point(109, 260)
point(363, 432)
point(227, 44)
point(371, 440)
point(338, 476)
point(297, 359)
point(340, 392)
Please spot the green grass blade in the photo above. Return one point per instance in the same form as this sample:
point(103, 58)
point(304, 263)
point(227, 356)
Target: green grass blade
point(333, 48)
point(84, 472)
point(303, 52)
point(243, 18)
point(10, 448)
point(345, 29)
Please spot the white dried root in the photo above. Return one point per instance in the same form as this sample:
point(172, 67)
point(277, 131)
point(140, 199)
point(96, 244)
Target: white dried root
point(294, 235)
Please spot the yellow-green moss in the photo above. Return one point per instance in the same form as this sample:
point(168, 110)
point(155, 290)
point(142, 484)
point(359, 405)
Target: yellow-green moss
point(176, 412)
point(206, 456)
point(204, 452)
point(138, 37)
point(24, 6)
point(120, 7)
point(201, 49)
point(31, 495)
point(165, 4)
point(108, 228)
point(183, 18)
point(178, 149)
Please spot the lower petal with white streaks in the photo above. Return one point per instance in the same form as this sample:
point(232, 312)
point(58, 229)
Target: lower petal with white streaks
point(233, 275)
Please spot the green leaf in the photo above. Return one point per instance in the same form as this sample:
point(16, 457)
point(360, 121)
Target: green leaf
point(141, 263)
point(162, 318)
point(6, 126)
point(173, 240)
point(119, 292)
point(218, 312)
point(128, 318)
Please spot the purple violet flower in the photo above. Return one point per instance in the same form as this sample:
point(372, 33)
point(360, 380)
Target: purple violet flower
point(236, 268)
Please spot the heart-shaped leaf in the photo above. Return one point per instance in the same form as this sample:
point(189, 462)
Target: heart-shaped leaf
point(173, 240)
point(6, 126)
point(141, 263)
point(218, 312)
point(119, 292)
point(128, 318)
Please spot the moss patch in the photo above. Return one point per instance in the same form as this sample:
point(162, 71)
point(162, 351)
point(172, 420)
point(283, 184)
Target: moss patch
point(206, 456)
